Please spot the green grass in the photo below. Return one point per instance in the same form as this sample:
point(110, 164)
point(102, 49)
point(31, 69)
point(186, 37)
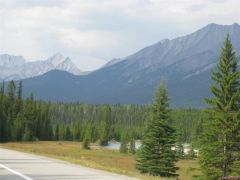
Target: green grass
point(99, 158)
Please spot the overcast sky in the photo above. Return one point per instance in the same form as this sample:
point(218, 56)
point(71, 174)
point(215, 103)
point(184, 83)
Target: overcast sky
point(92, 32)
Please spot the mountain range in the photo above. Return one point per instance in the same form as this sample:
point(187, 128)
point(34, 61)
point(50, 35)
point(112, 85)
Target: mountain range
point(16, 67)
point(185, 63)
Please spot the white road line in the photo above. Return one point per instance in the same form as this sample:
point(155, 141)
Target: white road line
point(15, 172)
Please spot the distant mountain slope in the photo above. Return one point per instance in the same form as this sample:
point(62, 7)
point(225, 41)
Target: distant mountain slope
point(185, 63)
point(16, 67)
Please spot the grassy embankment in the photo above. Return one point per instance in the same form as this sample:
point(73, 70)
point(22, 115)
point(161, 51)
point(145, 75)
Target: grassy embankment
point(99, 158)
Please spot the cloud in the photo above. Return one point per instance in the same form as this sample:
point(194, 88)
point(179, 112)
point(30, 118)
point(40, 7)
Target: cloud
point(197, 7)
point(95, 31)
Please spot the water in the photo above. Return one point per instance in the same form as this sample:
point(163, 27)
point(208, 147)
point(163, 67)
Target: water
point(115, 145)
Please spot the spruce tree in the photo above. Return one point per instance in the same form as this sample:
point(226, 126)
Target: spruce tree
point(87, 137)
point(29, 119)
point(68, 134)
point(56, 133)
point(2, 119)
point(17, 130)
point(124, 142)
point(123, 147)
point(86, 143)
point(180, 150)
point(156, 156)
point(104, 125)
point(18, 102)
point(220, 149)
point(191, 153)
point(132, 148)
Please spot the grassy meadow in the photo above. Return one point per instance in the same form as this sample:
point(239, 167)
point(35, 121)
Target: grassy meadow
point(99, 158)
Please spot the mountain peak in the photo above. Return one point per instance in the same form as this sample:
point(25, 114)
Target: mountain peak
point(8, 60)
point(58, 55)
point(16, 67)
point(61, 62)
point(214, 26)
point(57, 59)
point(235, 24)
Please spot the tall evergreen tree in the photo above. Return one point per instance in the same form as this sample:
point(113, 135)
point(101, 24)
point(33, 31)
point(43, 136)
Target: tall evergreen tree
point(132, 147)
point(2, 126)
point(124, 142)
point(68, 133)
point(87, 137)
point(104, 125)
point(29, 119)
point(18, 102)
point(11, 92)
point(156, 155)
point(17, 129)
point(191, 153)
point(180, 151)
point(56, 133)
point(220, 149)
point(11, 115)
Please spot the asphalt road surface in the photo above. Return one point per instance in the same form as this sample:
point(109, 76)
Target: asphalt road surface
point(16, 165)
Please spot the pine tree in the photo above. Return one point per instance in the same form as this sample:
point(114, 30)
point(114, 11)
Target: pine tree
point(87, 137)
point(104, 125)
point(86, 143)
point(68, 134)
point(179, 146)
point(29, 119)
point(56, 133)
point(11, 92)
point(191, 153)
point(180, 150)
point(2, 119)
point(156, 155)
point(18, 102)
point(220, 150)
point(11, 115)
point(17, 130)
point(132, 148)
point(123, 147)
point(124, 142)
point(27, 136)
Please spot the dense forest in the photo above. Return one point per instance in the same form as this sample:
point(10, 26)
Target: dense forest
point(29, 119)
point(22, 120)
point(71, 120)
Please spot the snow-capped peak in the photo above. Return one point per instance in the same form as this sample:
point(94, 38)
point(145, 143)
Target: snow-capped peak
point(8, 60)
point(16, 67)
point(56, 59)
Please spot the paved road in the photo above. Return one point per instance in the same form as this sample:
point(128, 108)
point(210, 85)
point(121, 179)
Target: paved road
point(16, 165)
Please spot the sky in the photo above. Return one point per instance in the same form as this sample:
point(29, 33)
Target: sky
point(92, 32)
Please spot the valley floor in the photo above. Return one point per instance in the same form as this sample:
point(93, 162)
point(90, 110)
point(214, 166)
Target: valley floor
point(99, 158)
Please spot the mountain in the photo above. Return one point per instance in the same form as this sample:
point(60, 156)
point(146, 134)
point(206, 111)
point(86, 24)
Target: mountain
point(185, 63)
point(16, 67)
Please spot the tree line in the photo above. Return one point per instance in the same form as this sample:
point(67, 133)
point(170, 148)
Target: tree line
point(72, 119)
point(31, 119)
point(22, 120)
